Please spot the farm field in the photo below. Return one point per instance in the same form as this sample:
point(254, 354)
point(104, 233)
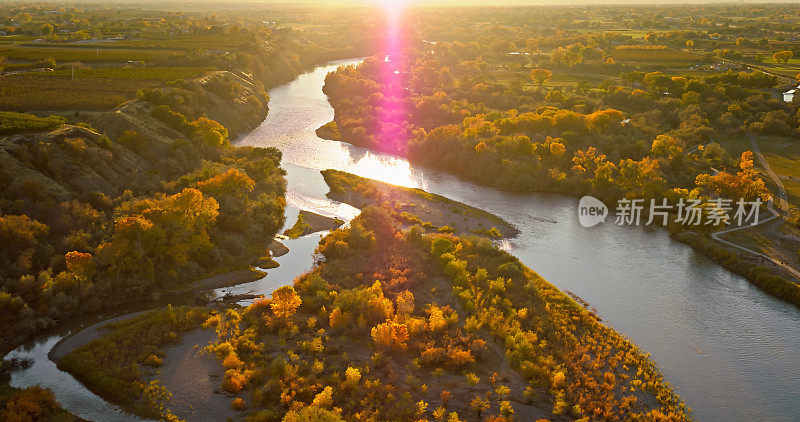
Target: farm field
point(790, 68)
point(11, 122)
point(31, 53)
point(783, 156)
point(660, 55)
point(90, 89)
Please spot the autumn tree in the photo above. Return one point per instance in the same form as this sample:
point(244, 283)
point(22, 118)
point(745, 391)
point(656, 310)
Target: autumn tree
point(79, 263)
point(285, 302)
point(30, 404)
point(666, 146)
point(404, 303)
point(603, 120)
point(746, 184)
point(436, 319)
point(783, 56)
point(540, 76)
point(209, 132)
point(351, 377)
point(324, 399)
point(160, 232)
point(390, 335)
point(445, 397)
point(20, 236)
point(311, 414)
point(231, 183)
point(479, 405)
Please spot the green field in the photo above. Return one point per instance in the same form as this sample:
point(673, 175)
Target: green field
point(11, 122)
point(783, 156)
point(791, 68)
point(91, 89)
point(653, 55)
point(162, 74)
point(31, 53)
point(228, 42)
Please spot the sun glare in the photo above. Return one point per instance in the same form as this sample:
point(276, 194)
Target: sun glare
point(392, 7)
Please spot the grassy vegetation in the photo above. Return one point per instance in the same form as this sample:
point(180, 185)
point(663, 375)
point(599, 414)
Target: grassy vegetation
point(415, 206)
point(184, 42)
point(790, 68)
point(298, 228)
point(30, 404)
point(659, 55)
point(89, 89)
point(399, 325)
point(112, 365)
point(783, 156)
point(32, 53)
point(161, 74)
point(12, 122)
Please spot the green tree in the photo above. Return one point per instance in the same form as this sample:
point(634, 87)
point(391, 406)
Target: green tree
point(165, 232)
point(210, 132)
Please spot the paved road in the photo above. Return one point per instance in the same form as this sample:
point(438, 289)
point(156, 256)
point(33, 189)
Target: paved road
point(696, 147)
point(784, 207)
point(783, 199)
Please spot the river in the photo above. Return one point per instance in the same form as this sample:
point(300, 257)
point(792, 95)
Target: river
point(731, 351)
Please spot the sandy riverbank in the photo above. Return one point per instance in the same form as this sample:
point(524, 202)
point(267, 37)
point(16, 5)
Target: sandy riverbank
point(85, 336)
point(230, 278)
point(194, 377)
point(415, 206)
point(309, 222)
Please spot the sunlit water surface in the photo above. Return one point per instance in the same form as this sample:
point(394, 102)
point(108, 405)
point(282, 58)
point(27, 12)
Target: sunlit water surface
point(731, 351)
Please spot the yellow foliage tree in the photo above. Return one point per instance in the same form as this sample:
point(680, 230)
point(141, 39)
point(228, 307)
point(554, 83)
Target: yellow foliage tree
point(390, 335)
point(285, 302)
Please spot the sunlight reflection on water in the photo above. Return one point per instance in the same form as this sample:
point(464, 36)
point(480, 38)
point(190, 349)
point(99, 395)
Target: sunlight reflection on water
point(730, 350)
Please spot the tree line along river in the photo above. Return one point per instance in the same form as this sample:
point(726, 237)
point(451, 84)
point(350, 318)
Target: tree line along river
point(730, 350)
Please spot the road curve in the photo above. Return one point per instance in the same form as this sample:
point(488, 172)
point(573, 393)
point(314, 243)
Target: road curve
point(783, 206)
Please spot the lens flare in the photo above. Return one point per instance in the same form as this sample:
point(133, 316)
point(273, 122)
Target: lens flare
point(392, 6)
point(392, 114)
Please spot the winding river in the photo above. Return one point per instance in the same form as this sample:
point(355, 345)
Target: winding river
point(731, 351)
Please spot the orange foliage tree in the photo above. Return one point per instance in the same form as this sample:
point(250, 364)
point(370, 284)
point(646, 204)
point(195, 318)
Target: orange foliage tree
point(285, 302)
